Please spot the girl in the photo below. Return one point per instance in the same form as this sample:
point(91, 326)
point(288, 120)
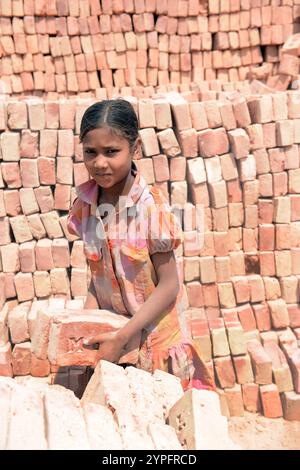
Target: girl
point(129, 235)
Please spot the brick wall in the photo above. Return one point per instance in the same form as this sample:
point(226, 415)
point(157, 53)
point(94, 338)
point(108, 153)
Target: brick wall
point(71, 46)
point(226, 143)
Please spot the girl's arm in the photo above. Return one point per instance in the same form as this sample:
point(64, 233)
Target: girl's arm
point(161, 298)
point(91, 301)
point(164, 294)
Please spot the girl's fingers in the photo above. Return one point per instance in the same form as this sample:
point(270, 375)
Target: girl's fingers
point(94, 339)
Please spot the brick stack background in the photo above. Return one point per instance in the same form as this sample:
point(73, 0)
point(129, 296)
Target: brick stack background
point(71, 46)
point(231, 146)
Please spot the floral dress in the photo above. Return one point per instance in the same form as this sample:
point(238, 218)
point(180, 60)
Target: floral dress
point(119, 255)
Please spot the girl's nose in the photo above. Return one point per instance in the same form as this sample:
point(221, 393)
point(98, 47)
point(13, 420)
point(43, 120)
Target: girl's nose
point(100, 162)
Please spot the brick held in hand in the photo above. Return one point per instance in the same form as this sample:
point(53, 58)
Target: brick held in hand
point(70, 328)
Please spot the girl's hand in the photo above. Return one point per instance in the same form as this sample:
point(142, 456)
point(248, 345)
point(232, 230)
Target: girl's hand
point(110, 347)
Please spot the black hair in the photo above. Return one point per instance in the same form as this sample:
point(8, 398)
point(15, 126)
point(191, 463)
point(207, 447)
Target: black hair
point(118, 114)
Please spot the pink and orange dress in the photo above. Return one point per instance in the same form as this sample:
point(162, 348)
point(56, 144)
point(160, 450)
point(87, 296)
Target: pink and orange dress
point(119, 255)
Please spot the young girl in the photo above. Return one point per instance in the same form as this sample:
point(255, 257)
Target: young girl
point(129, 235)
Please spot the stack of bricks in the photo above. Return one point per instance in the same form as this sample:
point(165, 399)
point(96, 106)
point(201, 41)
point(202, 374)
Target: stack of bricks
point(61, 422)
point(126, 409)
point(237, 158)
point(72, 46)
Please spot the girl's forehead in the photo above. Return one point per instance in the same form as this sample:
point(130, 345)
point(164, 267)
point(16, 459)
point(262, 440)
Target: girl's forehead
point(105, 135)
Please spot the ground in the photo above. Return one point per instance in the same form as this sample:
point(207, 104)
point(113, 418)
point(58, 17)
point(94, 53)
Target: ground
point(255, 432)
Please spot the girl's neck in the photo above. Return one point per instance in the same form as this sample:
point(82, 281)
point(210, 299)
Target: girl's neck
point(112, 195)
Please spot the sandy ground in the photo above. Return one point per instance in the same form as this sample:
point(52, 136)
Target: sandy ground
point(255, 432)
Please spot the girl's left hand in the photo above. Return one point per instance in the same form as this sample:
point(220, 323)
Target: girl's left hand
point(110, 347)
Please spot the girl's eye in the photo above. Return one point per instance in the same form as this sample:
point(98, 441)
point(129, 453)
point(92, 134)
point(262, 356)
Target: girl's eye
point(111, 151)
point(89, 152)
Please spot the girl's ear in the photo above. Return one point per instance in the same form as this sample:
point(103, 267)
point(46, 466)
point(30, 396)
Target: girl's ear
point(137, 147)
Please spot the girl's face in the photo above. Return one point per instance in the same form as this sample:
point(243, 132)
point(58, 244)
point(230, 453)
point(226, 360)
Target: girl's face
point(107, 156)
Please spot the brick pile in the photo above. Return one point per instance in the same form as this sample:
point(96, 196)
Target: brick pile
point(121, 409)
point(238, 156)
point(208, 80)
point(71, 46)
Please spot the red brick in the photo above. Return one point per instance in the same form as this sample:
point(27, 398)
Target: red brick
point(195, 294)
point(246, 317)
point(21, 359)
point(65, 143)
point(146, 113)
point(60, 253)
point(251, 397)
point(149, 142)
point(163, 116)
point(243, 369)
point(39, 367)
point(241, 112)
point(294, 363)
point(218, 194)
point(262, 161)
point(262, 365)
point(20, 229)
point(257, 291)
point(11, 200)
point(10, 142)
point(291, 406)
point(24, 286)
point(188, 142)
point(36, 114)
point(198, 116)
point(177, 169)
point(27, 257)
point(11, 174)
point(29, 173)
point(294, 315)
point(6, 360)
point(213, 142)
point(281, 372)
point(282, 209)
point(17, 323)
point(42, 285)
point(48, 143)
point(241, 289)
point(261, 109)
point(289, 65)
point(235, 401)
point(234, 191)
point(46, 170)
point(271, 403)
point(44, 198)
point(17, 115)
point(161, 168)
point(225, 372)
point(181, 115)
point(272, 288)
point(284, 133)
point(59, 349)
point(262, 316)
point(279, 313)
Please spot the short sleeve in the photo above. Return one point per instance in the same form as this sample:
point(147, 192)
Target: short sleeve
point(164, 230)
point(74, 219)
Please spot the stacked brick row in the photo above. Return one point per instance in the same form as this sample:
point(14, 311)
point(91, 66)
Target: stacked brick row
point(130, 417)
point(60, 421)
point(71, 46)
point(237, 157)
